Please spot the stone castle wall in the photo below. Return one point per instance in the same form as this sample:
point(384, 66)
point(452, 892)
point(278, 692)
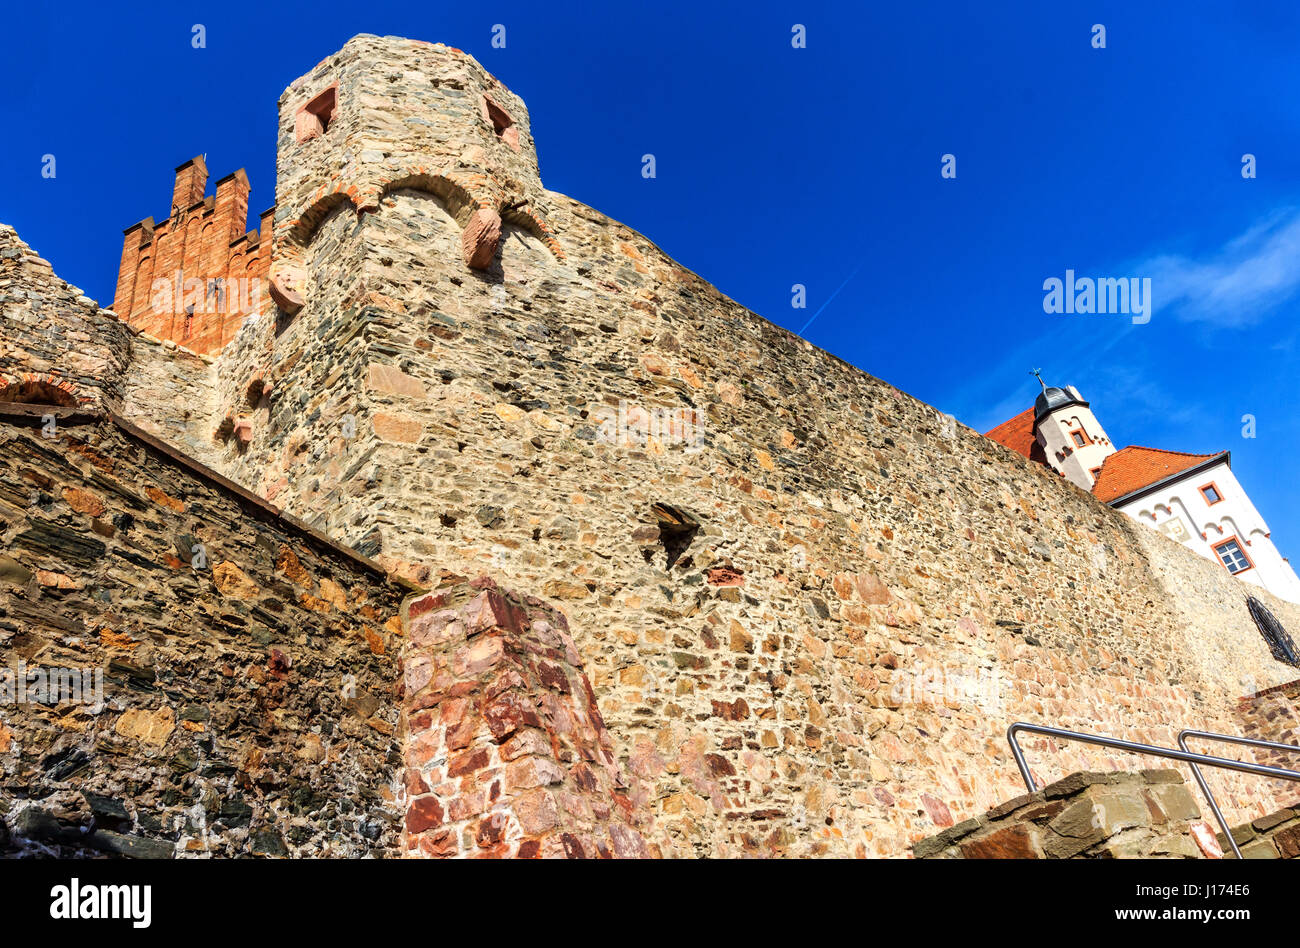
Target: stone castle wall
point(56, 345)
point(807, 608)
point(249, 694)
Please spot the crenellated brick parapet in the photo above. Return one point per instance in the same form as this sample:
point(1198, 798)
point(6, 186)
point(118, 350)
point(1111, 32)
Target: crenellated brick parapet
point(506, 751)
point(194, 277)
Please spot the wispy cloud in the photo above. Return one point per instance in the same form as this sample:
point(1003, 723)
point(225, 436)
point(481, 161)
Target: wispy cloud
point(1237, 285)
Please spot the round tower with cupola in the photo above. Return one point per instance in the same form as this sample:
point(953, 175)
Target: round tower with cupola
point(1072, 439)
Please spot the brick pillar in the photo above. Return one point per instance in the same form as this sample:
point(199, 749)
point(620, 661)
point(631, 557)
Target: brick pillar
point(169, 253)
point(191, 182)
point(266, 223)
point(506, 751)
point(140, 315)
point(230, 216)
point(132, 239)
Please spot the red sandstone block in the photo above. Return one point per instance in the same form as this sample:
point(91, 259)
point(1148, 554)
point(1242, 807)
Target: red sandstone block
point(462, 734)
point(467, 762)
point(420, 722)
point(432, 628)
point(491, 829)
point(452, 711)
point(1288, 842)
point(529, 772)
point(734, 711)
point(415, 784)
point(508, 713)
point(439, 845)
point(628, 843)
point(506, 680)
point(537, 812)
point(426, 604)
point(553, 676)
point(423, 749)
point(577, 805)
point(466, 805)
point(585, 778)
point(480, 238)
point(529, 741)
point(424, 813)
point(1012, 842)
point(578, 847)
point(479, 657)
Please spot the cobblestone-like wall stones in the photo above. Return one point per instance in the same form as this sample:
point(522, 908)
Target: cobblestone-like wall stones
point(1142, 815)
point(1218, 633)
point(172, 394)
point(506, 751)
point(1273, 715)
point(248, 668)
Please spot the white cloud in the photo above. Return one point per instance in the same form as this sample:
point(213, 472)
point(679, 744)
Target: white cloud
point(1238, 284)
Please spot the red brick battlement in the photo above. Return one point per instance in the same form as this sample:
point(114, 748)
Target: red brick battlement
point(192, 278)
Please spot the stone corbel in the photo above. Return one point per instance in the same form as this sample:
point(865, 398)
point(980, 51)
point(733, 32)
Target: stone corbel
point(283, 287)
point(479, 239)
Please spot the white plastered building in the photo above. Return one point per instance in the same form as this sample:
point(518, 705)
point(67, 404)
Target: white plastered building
point(1193, 499)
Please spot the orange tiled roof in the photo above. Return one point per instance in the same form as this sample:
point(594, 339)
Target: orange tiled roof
point(1018, 434)
point(1134, 468)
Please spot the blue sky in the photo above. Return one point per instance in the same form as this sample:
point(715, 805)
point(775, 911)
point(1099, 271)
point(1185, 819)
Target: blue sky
point(779, 166)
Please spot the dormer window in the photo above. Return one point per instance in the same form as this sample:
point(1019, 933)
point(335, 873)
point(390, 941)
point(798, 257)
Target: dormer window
point(314, 118)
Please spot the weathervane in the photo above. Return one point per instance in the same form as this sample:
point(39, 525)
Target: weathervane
point(1037, 373)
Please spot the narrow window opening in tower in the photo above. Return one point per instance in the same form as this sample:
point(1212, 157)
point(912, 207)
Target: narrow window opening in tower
point(677, 529)
point(502, 124)
point(314, 118)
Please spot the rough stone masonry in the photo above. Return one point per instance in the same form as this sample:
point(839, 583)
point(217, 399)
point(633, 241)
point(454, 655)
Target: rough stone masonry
point(798, 611)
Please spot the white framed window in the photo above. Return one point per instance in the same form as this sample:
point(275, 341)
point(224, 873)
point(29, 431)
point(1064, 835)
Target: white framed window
point(1233, 556)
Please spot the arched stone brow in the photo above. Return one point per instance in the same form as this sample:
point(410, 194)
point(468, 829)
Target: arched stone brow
point(677, 529)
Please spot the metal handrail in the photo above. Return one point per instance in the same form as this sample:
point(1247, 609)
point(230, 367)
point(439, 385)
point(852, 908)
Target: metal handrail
point(1185, 733)
point(1183, 755)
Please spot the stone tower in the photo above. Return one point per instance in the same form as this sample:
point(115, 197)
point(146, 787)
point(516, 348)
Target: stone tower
point(402, 169)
